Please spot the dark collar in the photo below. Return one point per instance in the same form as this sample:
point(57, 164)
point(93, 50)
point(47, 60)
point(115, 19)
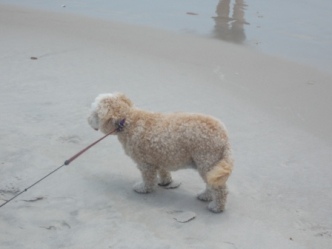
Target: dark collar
point(120, 125)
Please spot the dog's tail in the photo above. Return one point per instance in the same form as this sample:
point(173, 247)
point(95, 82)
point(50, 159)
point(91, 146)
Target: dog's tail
point(219, 174)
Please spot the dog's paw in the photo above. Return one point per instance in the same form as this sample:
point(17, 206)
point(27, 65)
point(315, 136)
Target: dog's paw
point(141, 188)
point(170, 185)
point(213, 207)
point(165, 182)
point(205, 196)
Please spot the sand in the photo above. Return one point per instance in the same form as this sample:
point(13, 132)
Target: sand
point(277, 113)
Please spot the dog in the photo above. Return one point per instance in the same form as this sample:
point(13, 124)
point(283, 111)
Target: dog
point(159, 143)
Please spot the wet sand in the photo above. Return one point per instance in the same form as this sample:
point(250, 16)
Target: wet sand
point(277, 113)
point(296, 30)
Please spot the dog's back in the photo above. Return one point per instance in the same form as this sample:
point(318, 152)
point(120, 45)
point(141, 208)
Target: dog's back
point(175, 140)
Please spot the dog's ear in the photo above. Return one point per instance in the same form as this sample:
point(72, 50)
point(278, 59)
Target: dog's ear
point(124, 99)
point(113, 107)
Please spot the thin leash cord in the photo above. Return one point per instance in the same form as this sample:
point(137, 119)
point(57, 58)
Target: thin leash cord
point(14, 197)
point(67, 162)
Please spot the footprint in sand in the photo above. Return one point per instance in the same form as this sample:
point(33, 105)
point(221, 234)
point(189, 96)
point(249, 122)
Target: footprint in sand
point(74, 139)
point(58, 225)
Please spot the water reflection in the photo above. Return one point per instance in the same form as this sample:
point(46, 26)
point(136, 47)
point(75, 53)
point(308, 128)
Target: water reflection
point(230, 27)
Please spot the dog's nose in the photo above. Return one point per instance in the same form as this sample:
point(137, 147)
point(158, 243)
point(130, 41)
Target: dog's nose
point(96, 129)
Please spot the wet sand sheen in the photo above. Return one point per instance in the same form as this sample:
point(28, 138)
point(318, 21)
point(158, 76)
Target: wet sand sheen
point(280, 28)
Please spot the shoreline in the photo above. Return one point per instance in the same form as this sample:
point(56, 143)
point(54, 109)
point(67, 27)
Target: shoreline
point(255, 25)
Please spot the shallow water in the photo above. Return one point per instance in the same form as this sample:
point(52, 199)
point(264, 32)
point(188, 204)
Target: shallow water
point(297, 30)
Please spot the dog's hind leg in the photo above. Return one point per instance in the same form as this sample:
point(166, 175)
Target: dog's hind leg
point(216, 179)
point(165, 177)
point(149, 175)
point(205, 195)
point(219, 196)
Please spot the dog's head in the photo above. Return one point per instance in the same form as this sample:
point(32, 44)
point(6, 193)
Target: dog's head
point(108, 110)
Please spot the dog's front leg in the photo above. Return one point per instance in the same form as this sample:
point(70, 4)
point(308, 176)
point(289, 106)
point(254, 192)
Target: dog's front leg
point(149, 175)
point(165, 177)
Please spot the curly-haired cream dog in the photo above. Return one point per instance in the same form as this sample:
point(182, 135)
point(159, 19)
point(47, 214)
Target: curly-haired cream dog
point(160, 143)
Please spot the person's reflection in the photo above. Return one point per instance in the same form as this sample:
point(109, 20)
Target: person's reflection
point(227, 27)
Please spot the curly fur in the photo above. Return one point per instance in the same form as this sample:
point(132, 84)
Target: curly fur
point(160, 143)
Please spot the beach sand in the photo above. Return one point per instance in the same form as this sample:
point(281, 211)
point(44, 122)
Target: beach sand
point(277, 113)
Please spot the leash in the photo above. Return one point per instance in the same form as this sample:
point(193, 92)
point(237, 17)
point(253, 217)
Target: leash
point(119, 128)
